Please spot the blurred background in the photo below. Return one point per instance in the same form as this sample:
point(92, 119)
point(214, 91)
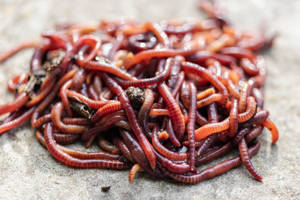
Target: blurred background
point(27, 171)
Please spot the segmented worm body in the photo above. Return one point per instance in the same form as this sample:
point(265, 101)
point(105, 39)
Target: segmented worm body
point(163, 97)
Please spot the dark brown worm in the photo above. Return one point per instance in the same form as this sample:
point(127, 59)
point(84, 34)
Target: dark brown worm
point(160, 97)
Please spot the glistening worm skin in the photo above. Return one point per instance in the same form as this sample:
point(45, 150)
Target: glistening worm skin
point(214, 170)
point(174, 110)
point(147, 148)
point(246, 160)
point(75, 162)
point(191, 127)
point(166, 152)
point(198, 87)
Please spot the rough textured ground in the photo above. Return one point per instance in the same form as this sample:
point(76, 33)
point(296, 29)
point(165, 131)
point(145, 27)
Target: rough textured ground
point(27, 171)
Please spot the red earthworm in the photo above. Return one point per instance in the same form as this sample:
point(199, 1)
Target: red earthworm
point(158, 32)
point(158, 112)
point(142, 41)
point(135, 168)
point(108, 108)
point(76, 162)
point(92, 93)
point(38, 122)
point(214, 170)
point(191, 126)
point(245, 89)
point(272, 128)
point(238, 52)
point(212, 128)
point(94, 44)
point(246, 160)
point(212, 118)
point(249, 67)
point(91, 103)
point(258, 97)
point(144, 111)
point(107, 146)
point(136, 151)
point(157, 53)
point(197, 144)
point(123, 124)
point(250, 110)
point(240, 135)
point(233, 119)
point(209, 100)
point(205, 93)
point(254, 133)
point(77, 153)
point(65, 128)
point(150, 81)
point(174, 74)
point(76, 120)
point(105, 66)
point(97, 85)
point(16, 104)
point(147, 148)
point(174, 110)
point(115, 46)
point(230, 87)
point(258, 81)
point(17, 49)
point(36, 60)
point(178, 84)
point(202, 72)
point(11, 117)
point(123, 148)
point(17, 121)
point(83, 71)
point(172, 136)
point(179, 29)
point(200, 119)
point(62, 138)
point(64, 97)
point(201, 56)
point(14, 82)
point(78, 79)
point(103, 125)
point(166, 152)
point(257, 118)
point(173, 167)
point(212, 155)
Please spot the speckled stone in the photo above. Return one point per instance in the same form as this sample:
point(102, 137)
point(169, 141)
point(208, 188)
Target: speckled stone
point(27, 171)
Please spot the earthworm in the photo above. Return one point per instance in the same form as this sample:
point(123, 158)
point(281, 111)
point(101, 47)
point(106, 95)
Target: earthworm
point(246, 160)
point(135, 168)
point(191, 126)
point(214, 170)
point(150, 81)
point(65, 128)
point(160, 97)
point(76, 162)
point(15, 50)
point(107, 146)
point(166, 152)
point(146, 146)
point(144, 111)
point(233, 118)
point(174, 110)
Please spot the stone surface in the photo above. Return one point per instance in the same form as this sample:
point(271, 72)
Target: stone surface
point(27, 171)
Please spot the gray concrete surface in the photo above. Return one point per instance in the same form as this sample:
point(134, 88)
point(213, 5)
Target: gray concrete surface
point(27, 171)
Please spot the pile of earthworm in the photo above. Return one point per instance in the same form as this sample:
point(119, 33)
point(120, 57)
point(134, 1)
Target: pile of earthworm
point(163, 98)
